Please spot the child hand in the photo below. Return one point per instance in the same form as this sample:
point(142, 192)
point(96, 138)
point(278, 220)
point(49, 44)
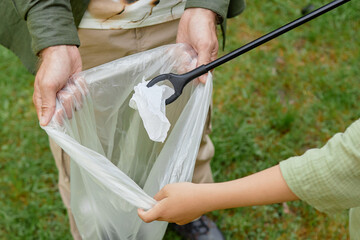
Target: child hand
point(180, 203)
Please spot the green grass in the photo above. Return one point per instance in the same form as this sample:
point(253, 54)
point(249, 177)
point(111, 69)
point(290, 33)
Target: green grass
point(276, 101)
point(279, 100)
point(30, 205)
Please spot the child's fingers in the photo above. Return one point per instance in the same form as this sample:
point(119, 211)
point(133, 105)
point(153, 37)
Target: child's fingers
point(148, 216)
point(161, 194)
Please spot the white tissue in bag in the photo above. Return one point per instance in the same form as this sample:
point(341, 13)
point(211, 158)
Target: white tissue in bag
point(150, 102)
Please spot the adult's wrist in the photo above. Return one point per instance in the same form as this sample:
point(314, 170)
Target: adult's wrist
point(70, 50)
point(208, 14)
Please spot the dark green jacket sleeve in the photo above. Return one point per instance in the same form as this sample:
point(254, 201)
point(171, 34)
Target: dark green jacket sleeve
point(50, 22)
point(14, 35)
point(224, 8)
point(28, 26)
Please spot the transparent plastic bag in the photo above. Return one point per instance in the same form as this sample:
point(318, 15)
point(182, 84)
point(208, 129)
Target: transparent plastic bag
point(115, 167)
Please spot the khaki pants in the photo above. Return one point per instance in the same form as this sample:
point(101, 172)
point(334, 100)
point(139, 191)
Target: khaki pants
point(102, 46)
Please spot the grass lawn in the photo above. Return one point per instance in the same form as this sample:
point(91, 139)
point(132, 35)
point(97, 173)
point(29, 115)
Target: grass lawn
point(274, 102)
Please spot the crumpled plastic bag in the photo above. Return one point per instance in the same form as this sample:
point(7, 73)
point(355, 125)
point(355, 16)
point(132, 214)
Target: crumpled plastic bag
point(115, 167)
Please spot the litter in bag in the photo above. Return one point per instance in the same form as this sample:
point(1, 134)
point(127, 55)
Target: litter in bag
point(151, 105)
point(115, 167)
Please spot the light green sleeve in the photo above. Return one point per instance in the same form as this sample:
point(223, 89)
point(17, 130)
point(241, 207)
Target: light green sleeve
point(354, 225)
point(328, 178)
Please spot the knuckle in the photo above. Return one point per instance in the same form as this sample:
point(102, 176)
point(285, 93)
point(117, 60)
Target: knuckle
point(46, 104)
point(208, 44)
point(64, 97)
point(166, 189)
point(48, 85)
point(205, 44)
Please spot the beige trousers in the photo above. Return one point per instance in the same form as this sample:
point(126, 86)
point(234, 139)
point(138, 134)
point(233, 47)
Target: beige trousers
point(101, 46)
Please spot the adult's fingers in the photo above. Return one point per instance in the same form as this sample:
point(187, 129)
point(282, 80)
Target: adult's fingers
point(80, 82)
point(37, 100)
point(59, 116)
point(77, 93)
point(203, 58)
point(58, 64)
point(48, 103)
point(67, 102)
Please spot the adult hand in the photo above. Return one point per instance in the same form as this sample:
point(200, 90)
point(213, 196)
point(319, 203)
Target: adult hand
point(197, 28)
point(58, 63)
point(180, 203)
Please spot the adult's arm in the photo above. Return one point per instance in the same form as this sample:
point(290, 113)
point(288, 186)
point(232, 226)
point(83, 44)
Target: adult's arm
point(197, 28)
point(54, 39)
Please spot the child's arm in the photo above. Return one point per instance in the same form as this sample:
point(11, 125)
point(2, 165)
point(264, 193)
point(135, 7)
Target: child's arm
point(183, 202)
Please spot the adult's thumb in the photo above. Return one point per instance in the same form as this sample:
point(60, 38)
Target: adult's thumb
point(204, 57)
point(48, 104)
